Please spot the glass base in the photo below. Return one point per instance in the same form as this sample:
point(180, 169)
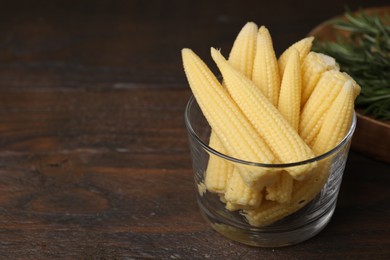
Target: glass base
point(298, 227)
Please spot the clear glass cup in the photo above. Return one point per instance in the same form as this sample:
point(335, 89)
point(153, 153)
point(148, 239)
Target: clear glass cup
point(292, 229)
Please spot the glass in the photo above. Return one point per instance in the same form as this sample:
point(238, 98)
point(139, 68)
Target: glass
point(297, 227)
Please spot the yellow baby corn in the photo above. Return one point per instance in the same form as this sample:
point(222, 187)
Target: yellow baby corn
point(290, 107)
point(218, 170)
point(319, 102)
point(280, 191)
point(290, 91)
point(334, 128)
point(283, 140)
point(244, 49)
point(312, 68)
point(234, 131)
point(303, 47)
point(241, 57)
point(265, 68)
point(240, 195)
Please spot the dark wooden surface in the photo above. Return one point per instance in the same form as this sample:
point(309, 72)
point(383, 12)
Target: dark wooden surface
point(94, 159)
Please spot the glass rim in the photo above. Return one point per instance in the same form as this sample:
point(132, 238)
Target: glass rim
point(205, 146)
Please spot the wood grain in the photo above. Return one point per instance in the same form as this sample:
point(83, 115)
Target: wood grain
point(94, 159)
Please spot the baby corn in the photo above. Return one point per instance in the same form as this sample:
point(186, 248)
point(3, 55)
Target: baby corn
point(312, 68)
point(334, 127)
point(240, 195)
point(241, 57)
point(218, 169)
point(265, 68)
point(236, 134)
point(280, 191)
point(289, 106)
point(290, 91)
point(244, 48)
point(319, 102)
point(303, 47)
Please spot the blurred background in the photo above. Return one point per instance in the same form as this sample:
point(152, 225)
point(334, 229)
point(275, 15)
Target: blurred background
point(108, 43)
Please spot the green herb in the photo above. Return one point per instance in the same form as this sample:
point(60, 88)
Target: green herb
point(365, 55)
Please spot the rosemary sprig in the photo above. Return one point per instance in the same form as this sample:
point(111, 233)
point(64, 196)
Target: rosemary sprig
point(365, 55)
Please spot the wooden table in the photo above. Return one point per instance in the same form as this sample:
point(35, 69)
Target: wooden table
point(94, 159)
